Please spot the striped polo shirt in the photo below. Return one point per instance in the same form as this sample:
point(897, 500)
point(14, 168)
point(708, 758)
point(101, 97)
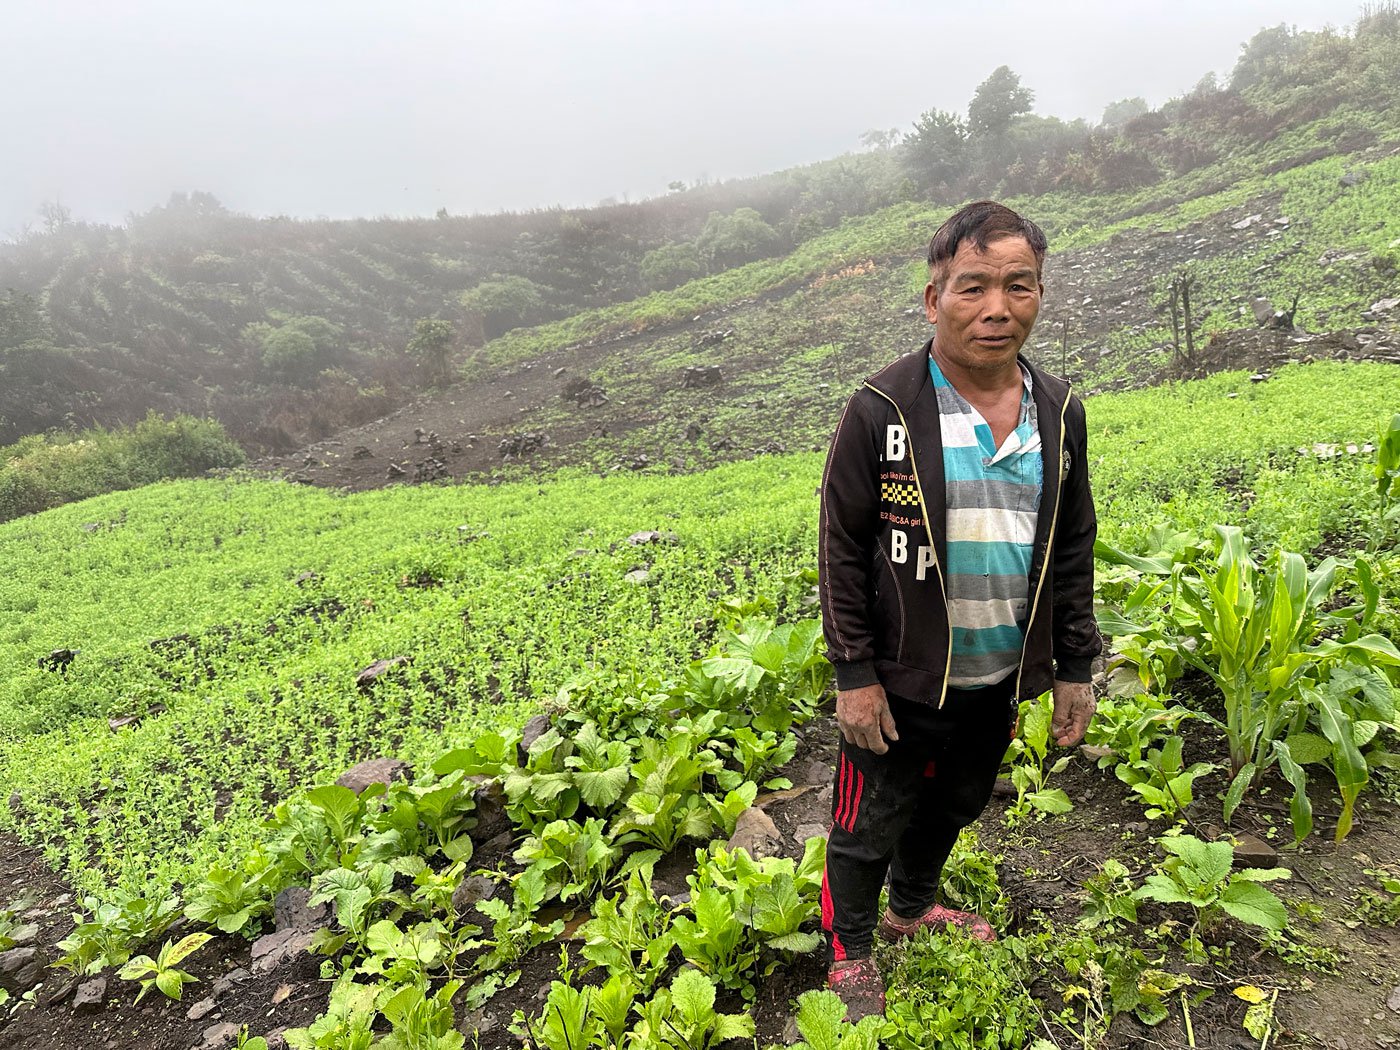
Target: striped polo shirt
point(993, 497)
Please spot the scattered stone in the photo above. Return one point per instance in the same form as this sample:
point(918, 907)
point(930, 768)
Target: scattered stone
point(559, 371)
point(814, 772)
point(1252, 851)
point(290, 910)
point(701, 376)
point(370, 674)
point(637, 576)
point(202, 1009)
point(1352, 178)
point(220, 1035)
point(1258, 377)
point(770, 798)
point(533, 730)
point(280, 995)
point(641, 539)
point(584, 392)
point(127, 720)
point(1246, 222)
point(228, 982)
point(90, 995)
point(1393, 1002)
point(373, 771)
point(693, 431)
point(523, 444)
point(509, 395)
point(477, 1022)
point(361, 452)
point(1384, 306)
point(396, 471)
point(722, 444)
point(1263, 310)
point(791, 1035)
point(20, 969)
point(755, 832)
point(491, 817)
point(803, 832)
point(305, 578)
point(271, 950)
point(471, 889)
point(1094, 752)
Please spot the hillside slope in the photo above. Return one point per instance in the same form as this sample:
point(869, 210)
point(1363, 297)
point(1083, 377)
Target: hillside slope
point(788, 353)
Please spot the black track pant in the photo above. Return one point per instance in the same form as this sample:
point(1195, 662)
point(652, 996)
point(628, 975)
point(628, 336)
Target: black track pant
point(900, 813)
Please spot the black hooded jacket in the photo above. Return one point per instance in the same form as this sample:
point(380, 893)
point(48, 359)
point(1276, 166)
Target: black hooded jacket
point(884, 607)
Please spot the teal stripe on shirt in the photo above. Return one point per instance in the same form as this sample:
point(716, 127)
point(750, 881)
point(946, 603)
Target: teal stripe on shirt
point(980, 559)
point(987, 633)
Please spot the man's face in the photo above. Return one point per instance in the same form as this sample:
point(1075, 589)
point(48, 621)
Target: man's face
point(986, 306)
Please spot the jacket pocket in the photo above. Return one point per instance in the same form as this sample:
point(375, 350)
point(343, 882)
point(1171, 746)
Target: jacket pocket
point(889, 609)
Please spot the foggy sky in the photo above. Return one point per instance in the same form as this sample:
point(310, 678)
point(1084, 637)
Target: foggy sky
point(352, 107)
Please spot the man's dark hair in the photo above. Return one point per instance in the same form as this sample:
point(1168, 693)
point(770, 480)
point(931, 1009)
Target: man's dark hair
point(981, 222)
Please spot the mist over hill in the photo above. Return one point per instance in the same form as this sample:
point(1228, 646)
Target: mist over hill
point(289, 330)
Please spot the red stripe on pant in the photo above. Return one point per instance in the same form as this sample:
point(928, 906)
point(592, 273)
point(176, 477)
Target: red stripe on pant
point(842, 787)
point(855, 803)
point(838, 950)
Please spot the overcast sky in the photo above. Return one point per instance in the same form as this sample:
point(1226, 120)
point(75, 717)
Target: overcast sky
point(353, 107)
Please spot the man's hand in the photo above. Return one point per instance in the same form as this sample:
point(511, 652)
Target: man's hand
point(1074, 706)
point(864, 717)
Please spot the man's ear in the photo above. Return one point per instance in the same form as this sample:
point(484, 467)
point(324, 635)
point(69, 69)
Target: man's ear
point(931, 303)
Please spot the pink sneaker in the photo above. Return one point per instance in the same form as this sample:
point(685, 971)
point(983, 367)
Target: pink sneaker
point(937, 918)
point(858, 984)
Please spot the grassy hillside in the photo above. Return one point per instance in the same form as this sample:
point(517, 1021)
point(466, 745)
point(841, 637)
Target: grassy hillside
point(194, 596)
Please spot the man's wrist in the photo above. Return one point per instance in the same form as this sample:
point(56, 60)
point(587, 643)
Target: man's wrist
point(855, 675)
point(1074, 669)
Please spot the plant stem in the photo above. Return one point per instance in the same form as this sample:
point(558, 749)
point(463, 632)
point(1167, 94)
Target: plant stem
point(1186, 1013)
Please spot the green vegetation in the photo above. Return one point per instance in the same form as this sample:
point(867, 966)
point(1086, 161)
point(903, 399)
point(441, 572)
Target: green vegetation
point(45, 471)
point(502, 604)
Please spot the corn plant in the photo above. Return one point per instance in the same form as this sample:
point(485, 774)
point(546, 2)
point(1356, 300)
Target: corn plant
point(1387, 472)
point(1282, 664)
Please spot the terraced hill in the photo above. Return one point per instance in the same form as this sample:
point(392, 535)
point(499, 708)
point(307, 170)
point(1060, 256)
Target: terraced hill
point(790, 339)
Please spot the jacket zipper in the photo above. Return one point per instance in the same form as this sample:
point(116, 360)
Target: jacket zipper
point(1049, 546)
point(928, 528)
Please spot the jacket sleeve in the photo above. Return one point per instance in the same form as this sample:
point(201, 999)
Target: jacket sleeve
point(1076, 631)
point(845, 552)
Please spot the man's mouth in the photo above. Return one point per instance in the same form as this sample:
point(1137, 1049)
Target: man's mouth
point(993, 340)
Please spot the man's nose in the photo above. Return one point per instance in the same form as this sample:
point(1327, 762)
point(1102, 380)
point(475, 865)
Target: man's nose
point(995, 306)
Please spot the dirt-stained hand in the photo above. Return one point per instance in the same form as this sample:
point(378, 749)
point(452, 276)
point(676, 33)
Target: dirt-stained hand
point(1074, 706)
point(864, 717)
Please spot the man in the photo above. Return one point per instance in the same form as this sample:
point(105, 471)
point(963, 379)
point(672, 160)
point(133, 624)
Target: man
point(957, 567)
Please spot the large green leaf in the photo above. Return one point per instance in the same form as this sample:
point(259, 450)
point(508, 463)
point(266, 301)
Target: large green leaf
point(1348, 765)
point(693, 996)
point(1209, 861)
point(1237, 788)
point(1300, 807)
point(1249, 902)
point(1308, 748)
point(1164, 889)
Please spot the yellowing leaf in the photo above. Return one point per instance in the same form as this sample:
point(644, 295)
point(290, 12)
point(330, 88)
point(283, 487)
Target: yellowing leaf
point(1251, 994)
